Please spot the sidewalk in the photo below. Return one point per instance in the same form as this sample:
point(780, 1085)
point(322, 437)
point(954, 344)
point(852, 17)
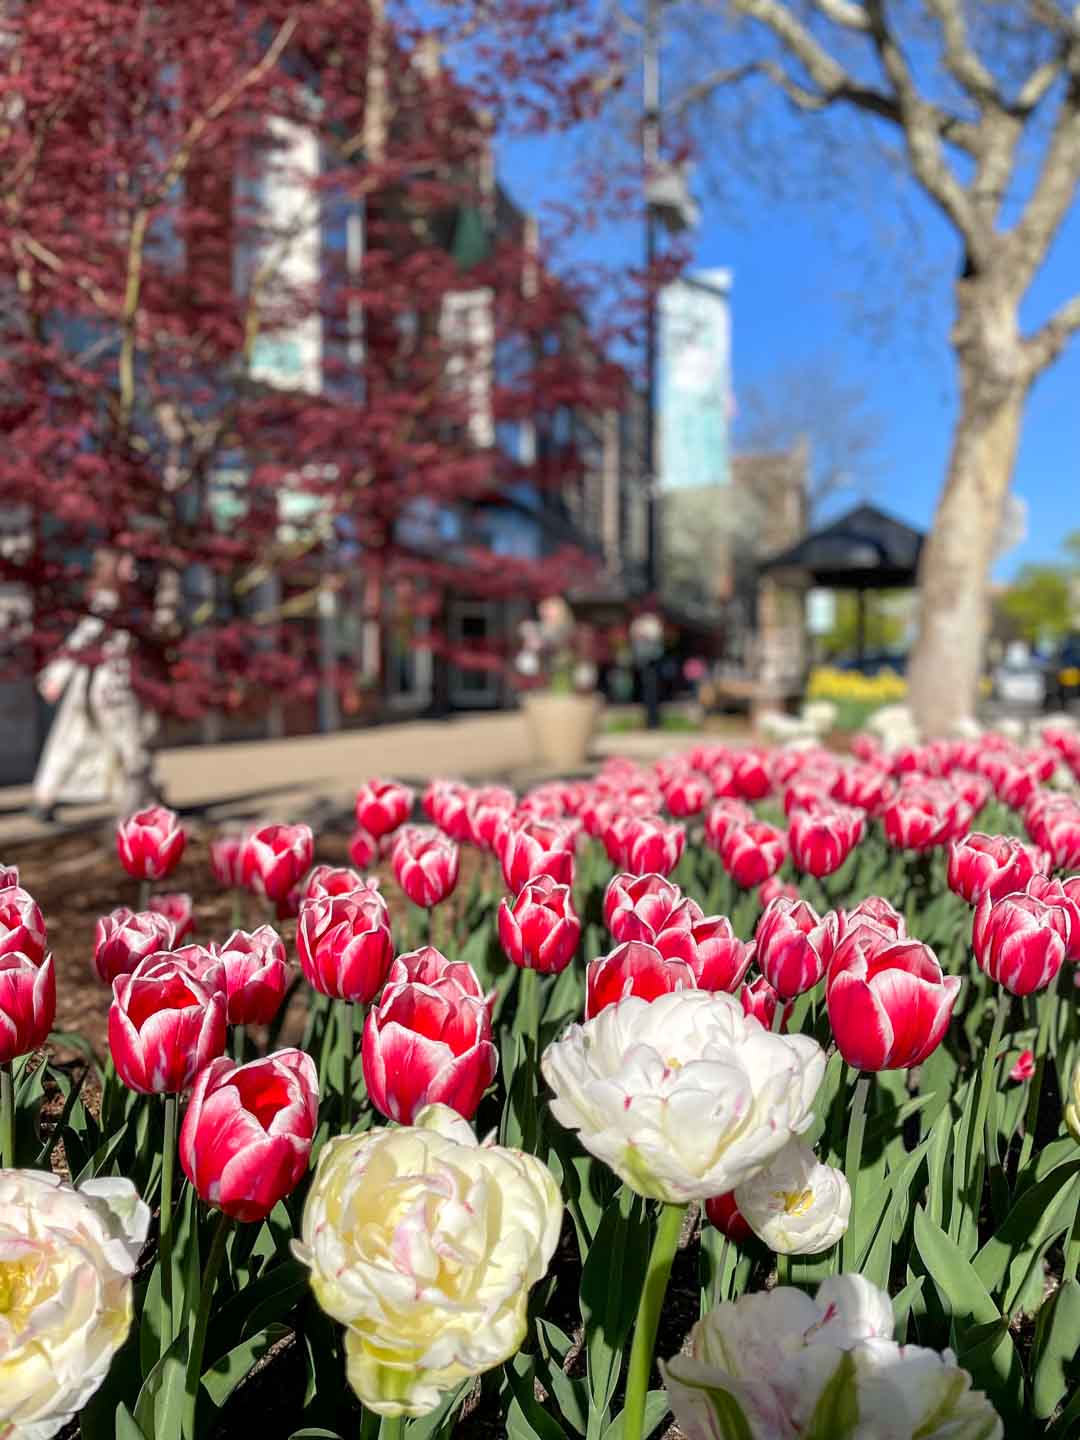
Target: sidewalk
point(278, 777)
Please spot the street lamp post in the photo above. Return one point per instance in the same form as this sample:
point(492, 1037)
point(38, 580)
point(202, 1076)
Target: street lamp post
point(650, 146)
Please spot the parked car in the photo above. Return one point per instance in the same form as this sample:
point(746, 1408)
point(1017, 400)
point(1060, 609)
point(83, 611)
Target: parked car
point(1065, 675)
point(874, 662)
point(1020, 679)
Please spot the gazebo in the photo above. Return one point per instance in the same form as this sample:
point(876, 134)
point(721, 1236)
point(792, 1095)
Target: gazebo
point(864, 550)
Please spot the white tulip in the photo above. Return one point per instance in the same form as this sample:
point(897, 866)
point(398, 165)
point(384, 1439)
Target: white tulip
point(424, 1244)
point(66, 1261)
point(797, 1205)
point(782, 1366)
point(684, 1096)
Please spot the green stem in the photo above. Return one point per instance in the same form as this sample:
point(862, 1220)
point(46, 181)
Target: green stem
point(345, 1039)
point(7, 1116)
point(144, 895)
point(853, 1162)
point(665, 1243)
point(238, 909)
point(976, 1160)
point(202, 1321)
point(529, 1010)
point(1047, 1005)
point(239, 1043)
point(392, 1427)
point(168, 1167)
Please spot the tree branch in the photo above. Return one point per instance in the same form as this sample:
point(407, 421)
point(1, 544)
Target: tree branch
point(1055, 189)
point(1046, 344)
point(961, 60)
point(922, 135)
point(844, 12)
point(924, 124)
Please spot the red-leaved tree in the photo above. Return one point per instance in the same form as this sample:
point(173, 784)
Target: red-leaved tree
point(266, 318)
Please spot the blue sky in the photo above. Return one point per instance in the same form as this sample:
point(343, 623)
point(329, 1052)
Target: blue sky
point(798, 291)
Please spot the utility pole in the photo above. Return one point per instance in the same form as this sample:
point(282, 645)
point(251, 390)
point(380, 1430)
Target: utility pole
point(650, 150)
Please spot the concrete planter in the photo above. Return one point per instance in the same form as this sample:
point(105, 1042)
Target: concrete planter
point(561, 727)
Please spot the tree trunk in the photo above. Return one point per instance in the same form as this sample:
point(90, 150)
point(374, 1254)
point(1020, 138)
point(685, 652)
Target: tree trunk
point(954, 571)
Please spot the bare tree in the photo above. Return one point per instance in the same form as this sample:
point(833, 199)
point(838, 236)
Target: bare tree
point(811, 401)
point(980, 100)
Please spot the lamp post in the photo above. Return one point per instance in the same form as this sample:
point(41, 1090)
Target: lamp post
point(668, 203)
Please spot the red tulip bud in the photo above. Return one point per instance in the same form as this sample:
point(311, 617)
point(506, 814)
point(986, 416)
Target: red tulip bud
point(178, 908)
point(383, 805)
point(888, 1007)
point(256, 975)
point(246, 1138)
point(345, 946)
point(124, 938)
point(22, 926)
point(425, 865)
point(752, 852)
point(164, 1026)
point(276, 857)
point(1020, 941)
point(993, 865)
point(540, 930)
point(27, 1004)
point(429, 1042)
point(150, 843)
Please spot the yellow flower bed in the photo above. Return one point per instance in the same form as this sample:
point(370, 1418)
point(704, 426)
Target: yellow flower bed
point(828, 683)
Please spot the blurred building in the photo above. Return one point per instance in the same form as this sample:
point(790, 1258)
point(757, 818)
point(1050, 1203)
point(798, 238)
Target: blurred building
point(565, 475)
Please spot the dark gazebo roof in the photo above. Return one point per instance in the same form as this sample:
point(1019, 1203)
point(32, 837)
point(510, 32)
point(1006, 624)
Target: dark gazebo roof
point(866, 549)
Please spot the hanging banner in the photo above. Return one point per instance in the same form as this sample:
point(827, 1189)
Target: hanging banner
point(694, 392)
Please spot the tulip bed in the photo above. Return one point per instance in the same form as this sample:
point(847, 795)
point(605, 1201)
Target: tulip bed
point(734, 1097)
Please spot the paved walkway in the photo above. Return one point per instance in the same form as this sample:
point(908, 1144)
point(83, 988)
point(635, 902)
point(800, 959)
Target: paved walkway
point(275, 777)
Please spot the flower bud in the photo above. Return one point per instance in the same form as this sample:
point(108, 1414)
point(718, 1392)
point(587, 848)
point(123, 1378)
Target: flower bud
point(446, 802)
point(993, 865)
point(177, 908)
point(27, 1004)
point(227, 858)
point(725, 815)
point(889, 1002)
point(760, 1000)
point(1020, 941)
point(633, 968)
point(540, 930)
point(326, 880)
point(488, 808)
point(22, 926)
point(383, 805)
point(1072, 1104)
point(795, 946)
point(345, 946)
point(246, 1138)
point(275, 859)
point(751, 853)
point(429, 1043)
point(150, 843)
point(164, 1026)
point(531, 848)
point(822, 841)
point(256, 975)
point(723, 1214)
point(649, 846)
point(425, 865)
point(363, 848)
point(795, 1204)
point(124, 938)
